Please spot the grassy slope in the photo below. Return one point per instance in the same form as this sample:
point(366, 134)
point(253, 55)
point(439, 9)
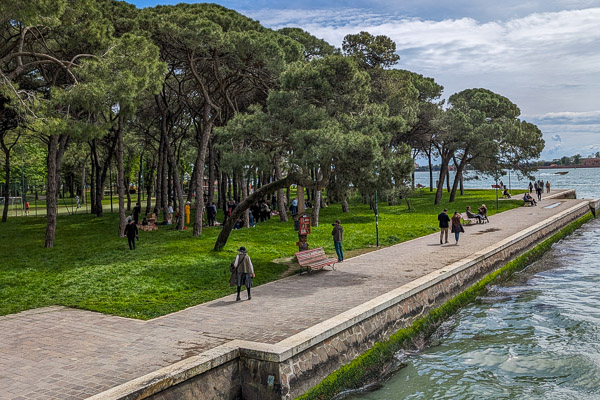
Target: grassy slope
point(92, 268)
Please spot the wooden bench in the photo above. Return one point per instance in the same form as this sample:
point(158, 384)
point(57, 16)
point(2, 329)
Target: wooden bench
point(314, 259)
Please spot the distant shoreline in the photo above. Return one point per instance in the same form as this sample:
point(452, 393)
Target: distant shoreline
point(568, 166)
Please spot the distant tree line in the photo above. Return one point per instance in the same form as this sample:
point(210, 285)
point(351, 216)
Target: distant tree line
point(177, 98)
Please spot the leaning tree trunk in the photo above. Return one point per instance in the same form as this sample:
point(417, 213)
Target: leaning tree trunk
point(457, 179)
point(121, 179)
point(56, 148)
point(245, 205)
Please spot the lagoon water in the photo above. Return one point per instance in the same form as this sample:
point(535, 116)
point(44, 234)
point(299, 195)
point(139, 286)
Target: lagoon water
point(536, 336)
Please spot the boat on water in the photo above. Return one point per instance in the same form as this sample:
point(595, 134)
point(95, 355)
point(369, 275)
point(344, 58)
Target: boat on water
point(561, 173)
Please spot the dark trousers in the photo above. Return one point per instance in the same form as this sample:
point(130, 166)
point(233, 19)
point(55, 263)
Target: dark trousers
point(131, 241)
point(339, 251)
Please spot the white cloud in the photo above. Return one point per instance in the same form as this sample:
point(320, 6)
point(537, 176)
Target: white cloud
point(569, 117)
point(545, 62)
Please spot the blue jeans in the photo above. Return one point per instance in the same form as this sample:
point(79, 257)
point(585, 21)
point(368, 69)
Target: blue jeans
point(338, 250)
point(456, 235)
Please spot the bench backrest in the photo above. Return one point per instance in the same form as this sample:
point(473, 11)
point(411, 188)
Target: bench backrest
point(310, 256)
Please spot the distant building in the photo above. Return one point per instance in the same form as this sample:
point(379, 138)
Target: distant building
point(590, 162)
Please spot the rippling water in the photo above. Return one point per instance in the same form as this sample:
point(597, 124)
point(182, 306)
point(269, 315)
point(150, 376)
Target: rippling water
point(536, 336)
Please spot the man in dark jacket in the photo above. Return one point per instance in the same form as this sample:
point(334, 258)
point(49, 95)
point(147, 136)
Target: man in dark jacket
point(444, 225)
point(136, 212)
point(131, 231)
point(338, 233)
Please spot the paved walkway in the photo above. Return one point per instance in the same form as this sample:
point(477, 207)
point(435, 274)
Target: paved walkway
point(62, 353)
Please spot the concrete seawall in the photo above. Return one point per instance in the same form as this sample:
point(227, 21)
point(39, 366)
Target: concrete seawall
point(289, 367)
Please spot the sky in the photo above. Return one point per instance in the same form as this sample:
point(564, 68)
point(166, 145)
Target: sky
point(542, 55)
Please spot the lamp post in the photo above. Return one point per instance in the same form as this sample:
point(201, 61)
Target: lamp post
point(376, 219)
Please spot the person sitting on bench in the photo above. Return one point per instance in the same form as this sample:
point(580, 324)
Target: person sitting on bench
point(471, 215)
point(506, 194)
point(528, 199)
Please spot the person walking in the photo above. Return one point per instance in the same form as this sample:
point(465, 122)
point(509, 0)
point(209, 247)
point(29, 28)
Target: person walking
point(211, 214)
point(242, 272)
point(457, 227)
point(444, 225)
point(338, 237)
point(187, 210)
point(26, 208)
point(170, 214)
point(294, 207)
point(547, 186)
point(530, 187)
point(131, 231)
point(539, 190)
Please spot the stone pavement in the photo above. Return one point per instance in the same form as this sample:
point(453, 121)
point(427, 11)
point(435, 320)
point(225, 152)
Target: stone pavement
point(62, 353)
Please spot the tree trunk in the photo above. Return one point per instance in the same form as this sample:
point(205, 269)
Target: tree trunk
point(6, 184)
point(56, 148)
point(245, 205)
point(235, 187)
point(165, 182)
point(149, 185)
point(158, 185)
point(445, 159)
point(281, 205)
point(316, 208)
point(448, 180)
point(92, 186)
point(245, 215)
point(177, 184)
point(83, 194)
point(128, 194)
point(220, 190)
point(430, 172)
point(121, 178)
point(200, 164)
point(459, 170)
point(192, 185)
point(211, 174)
point(300, 197)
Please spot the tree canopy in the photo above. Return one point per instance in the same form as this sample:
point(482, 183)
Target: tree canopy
point(193, 103)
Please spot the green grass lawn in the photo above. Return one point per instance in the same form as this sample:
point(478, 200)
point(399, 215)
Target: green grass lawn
point(90, 267)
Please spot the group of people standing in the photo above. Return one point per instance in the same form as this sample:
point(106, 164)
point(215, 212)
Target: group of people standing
point(538, 186)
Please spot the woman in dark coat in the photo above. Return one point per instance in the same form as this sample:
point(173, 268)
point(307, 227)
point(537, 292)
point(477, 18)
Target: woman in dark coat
point(242, 272)
point(457, 227)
